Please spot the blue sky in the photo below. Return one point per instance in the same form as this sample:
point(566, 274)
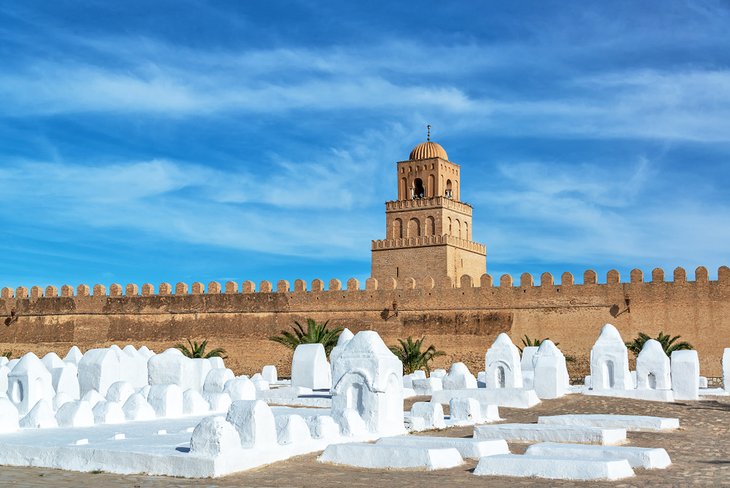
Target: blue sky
point(198, 141)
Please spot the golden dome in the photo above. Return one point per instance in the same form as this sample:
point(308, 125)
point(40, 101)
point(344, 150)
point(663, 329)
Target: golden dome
point(427, 150)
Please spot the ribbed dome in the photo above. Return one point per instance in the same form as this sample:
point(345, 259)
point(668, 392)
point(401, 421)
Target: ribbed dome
point(427, 150)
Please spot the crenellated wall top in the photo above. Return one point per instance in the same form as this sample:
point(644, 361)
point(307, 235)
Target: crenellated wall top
point(525, 280)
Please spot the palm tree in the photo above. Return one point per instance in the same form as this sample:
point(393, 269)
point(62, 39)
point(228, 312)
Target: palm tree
point(410, 354)
point(316, 333)
point(527, 342)
point(198, 350)
point(669, 344)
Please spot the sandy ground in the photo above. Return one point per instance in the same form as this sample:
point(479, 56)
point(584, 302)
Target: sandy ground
point(700, 452)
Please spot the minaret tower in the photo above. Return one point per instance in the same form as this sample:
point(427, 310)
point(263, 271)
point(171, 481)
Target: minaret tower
point(428, 228)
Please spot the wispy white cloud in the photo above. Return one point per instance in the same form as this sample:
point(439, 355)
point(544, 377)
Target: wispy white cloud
point(320, 206)
point(553, 213)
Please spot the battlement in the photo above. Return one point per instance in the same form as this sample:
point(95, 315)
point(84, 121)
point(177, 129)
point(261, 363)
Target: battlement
point(437, 240)
point(526, 280)
point(417, 203)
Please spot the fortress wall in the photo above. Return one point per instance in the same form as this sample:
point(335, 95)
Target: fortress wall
point(462, 318)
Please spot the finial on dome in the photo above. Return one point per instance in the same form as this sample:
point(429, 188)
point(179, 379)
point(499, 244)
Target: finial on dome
point(428, 133)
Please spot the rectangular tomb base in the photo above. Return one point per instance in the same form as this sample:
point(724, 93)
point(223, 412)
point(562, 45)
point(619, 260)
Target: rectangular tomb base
point(383, 456)
point(553, 467)
point(468, 448)
point(638, 457)
point(634, 423)
point(550, 433)
point(648, 395)
point(502, 397)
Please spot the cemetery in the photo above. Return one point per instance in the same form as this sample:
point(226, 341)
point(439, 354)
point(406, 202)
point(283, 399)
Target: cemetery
point(128, 410)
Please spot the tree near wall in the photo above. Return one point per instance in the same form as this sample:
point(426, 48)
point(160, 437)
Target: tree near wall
point(412, 357)
point(669, 343)
point(197, 350)
point(315, 333)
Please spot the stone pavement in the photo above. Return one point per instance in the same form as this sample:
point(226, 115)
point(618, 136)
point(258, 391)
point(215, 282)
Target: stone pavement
point(700, 452)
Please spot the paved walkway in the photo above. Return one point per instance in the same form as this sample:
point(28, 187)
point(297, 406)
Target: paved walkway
point(700, 452)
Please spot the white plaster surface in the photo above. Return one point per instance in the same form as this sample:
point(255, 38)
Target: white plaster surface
point(28, 382)
point(240, 388)
point(368, 378)
point(98, 370)
point(653, 371)
point(459, 378)
point(270, 374)
point(550, 433)
point(310, 367)
point(166, 400)
point(550, 375)
point(432, 414)
point(632, 423)
point(685, 375)
point(638, 457)
point(9, 421)
point(468, 448)
point(194, 403)
point(216, 379)
point(73, 355)
point(135, 447)
point(502, 397)
point(465, 411)
point(40, 416)
point(553, 467)
point(120, 391)
point(75, 414)
point(137, 408)
point(384, 456)
point(648, 395)
point(610, 361)
point(426, 386)
point(502, 364)
point(106, 412)
point(291, 429)
point(438, 373)
point(254, 421)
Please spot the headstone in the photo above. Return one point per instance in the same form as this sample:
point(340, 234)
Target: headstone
point(551, 378)
point(28, 382)
point(685, 367)
point(610, 362)
point(653, 369)
point(166, 400)
point(254, 422)
point(368, 379)
point(240, 389)
point(310, 368)
point(502, 363)
point(214, 437)
point(459, 378)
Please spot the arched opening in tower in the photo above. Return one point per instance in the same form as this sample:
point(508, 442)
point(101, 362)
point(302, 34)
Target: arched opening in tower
point(418, 190)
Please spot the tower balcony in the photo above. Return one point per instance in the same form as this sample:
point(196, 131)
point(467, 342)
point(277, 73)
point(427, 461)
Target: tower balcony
point(416, 203)
point(423, 241)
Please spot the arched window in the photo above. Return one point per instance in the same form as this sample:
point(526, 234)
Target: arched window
point(448, 221)
point(458, 228)
point(430, 229)
point(448, 192)
point(431, 185)
point(466, 231)
point(403, 188)
point(397, 229)
point(414, 228)
point(418, 190)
